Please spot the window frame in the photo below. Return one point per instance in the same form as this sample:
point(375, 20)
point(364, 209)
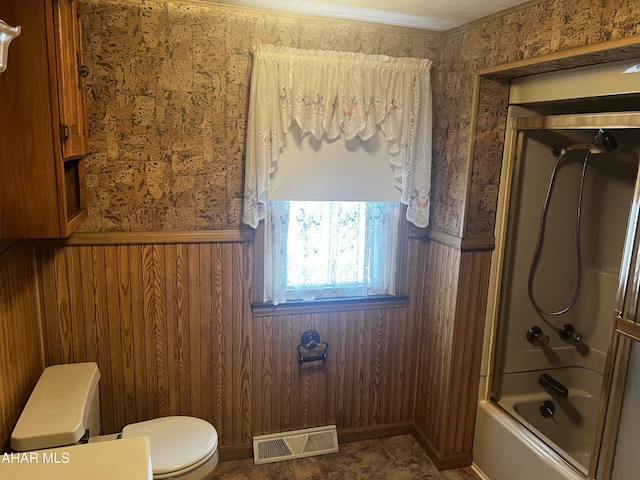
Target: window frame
point(332, 304)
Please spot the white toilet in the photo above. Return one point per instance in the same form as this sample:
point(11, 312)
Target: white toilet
point(64, 409)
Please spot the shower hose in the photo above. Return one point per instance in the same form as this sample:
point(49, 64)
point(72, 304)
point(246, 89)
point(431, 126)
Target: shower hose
point(541, 228)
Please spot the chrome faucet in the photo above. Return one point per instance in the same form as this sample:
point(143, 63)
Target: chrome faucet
point(536, 337)
point(569, 334)
point(553, 386)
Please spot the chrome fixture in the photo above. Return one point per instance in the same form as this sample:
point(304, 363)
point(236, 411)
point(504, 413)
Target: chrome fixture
point(553, 386)
point(547, 409)
point(535, 336)
point(569, 334)
point(602, 142)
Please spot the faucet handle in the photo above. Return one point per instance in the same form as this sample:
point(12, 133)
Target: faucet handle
point(569, 334)
point(535, 336)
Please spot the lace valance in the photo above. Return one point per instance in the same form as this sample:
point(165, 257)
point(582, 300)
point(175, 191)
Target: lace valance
point(330, 94)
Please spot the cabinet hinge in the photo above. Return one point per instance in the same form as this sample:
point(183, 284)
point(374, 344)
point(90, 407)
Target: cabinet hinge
point(64, 132)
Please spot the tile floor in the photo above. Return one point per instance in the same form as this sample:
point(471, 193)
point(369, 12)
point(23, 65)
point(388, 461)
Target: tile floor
point(392, 458)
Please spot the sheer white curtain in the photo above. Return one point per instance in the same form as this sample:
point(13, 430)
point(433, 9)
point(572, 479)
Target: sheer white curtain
point(344, 248)
point(330, 94)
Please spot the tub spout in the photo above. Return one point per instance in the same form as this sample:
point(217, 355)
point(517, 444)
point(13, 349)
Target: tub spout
point(553, 386)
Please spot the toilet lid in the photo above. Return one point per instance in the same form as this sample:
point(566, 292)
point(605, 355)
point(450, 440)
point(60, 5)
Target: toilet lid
point(176, 442)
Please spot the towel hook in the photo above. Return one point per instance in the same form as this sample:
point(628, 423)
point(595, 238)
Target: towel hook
point(7, 33)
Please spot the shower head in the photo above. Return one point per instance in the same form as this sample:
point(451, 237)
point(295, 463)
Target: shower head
point(602, 142)
point(609, 142)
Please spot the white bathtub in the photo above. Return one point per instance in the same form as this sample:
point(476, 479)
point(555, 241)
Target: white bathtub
point(513, 437)
point(504, 450)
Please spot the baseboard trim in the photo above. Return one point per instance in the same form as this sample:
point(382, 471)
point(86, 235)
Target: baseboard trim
point(347, 435)
point(371, 432)
point(357, 434)
point(236, 452)
point(442, 462)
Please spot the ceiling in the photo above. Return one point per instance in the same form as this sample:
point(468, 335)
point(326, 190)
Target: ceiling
point(437, 15)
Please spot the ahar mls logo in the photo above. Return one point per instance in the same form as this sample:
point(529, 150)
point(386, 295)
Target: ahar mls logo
point(35, 457)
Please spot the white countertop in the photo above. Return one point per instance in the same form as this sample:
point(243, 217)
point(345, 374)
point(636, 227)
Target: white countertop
point(128, 458)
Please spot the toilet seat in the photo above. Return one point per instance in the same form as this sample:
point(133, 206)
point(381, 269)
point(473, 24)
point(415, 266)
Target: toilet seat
point(179, 444)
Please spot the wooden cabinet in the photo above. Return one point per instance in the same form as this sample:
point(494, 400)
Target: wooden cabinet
point(43, 124)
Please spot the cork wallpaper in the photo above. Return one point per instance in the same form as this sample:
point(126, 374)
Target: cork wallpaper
point(540, 29)
point(168, 99)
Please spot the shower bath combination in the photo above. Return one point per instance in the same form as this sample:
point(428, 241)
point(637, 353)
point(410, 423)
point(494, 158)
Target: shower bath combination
point(602, 142)
point(563, 235)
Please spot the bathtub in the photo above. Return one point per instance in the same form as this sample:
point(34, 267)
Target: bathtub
point(512, 435)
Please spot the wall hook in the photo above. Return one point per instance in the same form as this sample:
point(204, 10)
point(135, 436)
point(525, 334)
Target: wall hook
point(7, 33)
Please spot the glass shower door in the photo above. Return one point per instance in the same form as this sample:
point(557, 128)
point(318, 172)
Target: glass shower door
point(620, 407)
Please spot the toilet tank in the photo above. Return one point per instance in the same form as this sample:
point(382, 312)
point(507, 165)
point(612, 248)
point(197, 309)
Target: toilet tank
point(62, 407)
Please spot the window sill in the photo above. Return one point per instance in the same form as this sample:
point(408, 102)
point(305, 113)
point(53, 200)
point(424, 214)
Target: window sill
point(327, 305)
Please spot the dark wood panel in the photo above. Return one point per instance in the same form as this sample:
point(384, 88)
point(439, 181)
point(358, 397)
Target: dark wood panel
point(171, 329)
point(450, 351)
point(21, 355)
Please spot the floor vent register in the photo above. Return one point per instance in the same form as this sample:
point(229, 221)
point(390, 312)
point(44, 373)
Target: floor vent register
point(295, 444)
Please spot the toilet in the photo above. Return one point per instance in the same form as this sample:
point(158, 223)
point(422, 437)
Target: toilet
point(64, 409)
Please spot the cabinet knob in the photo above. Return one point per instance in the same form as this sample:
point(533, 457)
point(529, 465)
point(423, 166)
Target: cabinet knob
point(83, 71)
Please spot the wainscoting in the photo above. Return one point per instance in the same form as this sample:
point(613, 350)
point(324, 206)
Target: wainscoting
point(451, 348)
point(168, 324)
point(167, 317)
point(21, 355)
point(171, 329)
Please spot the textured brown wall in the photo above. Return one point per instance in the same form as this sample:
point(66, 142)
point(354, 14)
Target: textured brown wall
point(168, 96)
point(541, 29)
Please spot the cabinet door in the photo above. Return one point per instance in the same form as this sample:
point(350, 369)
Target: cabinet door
point(71, 84)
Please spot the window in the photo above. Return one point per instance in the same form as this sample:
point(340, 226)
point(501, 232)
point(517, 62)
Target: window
point(332, 137)
point(320, 249)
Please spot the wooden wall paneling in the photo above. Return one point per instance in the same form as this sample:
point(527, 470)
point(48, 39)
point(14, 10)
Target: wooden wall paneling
point(124, 301)
point(63, 308)
point(217, 264)
point(137, 309)
point(171, 329)
point(206, 320)
point(338, 352)
point(351, 386)
point(456, 283)
point(21, 352)
point(195, 333)
point(320, 402)
point(243, 271)
point(329, 405)
point(95, 317)
point(233, 352)
point(161, 302)
point(432, 396)
point(310, 377)
point(78, 335)
point(472, 302)
point(416, 260)
point(147, 327)
point(114, 327)
point(387, 350)
point(51, 331)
